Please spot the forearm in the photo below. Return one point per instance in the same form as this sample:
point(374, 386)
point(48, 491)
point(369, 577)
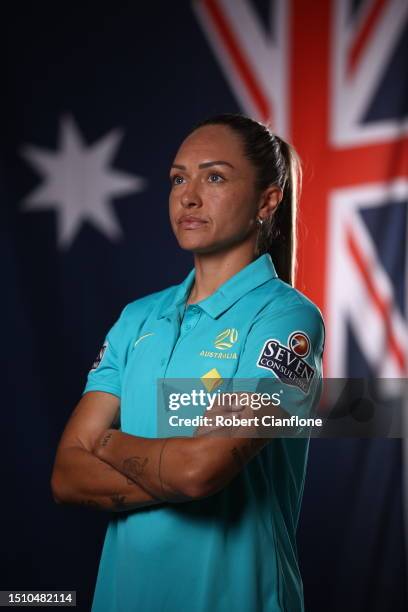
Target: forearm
point(177, 469)
point(162, 466)
point(80, 477)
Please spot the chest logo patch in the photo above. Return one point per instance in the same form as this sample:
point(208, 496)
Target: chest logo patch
point(287, 362)
point(226, 339)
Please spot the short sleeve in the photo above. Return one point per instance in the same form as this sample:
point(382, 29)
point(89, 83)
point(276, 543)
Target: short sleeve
point(285, 347)
point(106, 371)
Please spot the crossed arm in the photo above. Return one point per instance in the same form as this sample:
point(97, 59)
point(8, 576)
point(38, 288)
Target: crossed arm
point(104, 468)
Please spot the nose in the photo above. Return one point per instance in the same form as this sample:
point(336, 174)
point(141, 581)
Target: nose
point(190, 197)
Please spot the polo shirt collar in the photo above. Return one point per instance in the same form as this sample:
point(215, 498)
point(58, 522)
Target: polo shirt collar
point(175, 301)
point(254, 274)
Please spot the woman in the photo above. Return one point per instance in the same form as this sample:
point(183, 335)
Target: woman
point(204, 523)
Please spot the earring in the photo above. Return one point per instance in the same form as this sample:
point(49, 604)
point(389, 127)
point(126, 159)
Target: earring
point(260, 221)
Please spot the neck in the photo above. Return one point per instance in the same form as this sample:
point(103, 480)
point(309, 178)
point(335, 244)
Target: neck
point(213, 269)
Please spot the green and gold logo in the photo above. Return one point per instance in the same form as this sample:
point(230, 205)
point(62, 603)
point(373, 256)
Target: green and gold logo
point(226, 339)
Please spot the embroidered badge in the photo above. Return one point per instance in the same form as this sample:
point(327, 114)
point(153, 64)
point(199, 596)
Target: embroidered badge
point(287, 362)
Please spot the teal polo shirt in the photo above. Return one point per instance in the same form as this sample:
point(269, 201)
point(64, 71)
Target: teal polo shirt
point(235, 550)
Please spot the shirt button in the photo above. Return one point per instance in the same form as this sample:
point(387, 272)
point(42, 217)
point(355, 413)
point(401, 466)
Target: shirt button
point(162, 362)
point(188, 326)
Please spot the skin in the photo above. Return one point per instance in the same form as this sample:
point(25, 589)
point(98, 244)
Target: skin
point(79, 476)
point(101, 467)
point(224, 196)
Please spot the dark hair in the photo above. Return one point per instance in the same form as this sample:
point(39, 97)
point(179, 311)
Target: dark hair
point(276, 162)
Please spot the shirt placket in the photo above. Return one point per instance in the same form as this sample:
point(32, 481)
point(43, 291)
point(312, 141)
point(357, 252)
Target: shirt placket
point(191, 317)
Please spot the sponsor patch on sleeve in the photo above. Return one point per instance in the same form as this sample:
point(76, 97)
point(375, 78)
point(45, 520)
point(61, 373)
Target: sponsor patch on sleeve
point(288, 361)
point(99, 357)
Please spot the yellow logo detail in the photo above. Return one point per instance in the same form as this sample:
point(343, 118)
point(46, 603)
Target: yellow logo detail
point(211, 379)
point(226, 338)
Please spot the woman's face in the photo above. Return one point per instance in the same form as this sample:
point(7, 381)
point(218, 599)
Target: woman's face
point(213, 201)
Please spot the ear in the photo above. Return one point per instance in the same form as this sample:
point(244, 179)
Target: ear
point(269, 201)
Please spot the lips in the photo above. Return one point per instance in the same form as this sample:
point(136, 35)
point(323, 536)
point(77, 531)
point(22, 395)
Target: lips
point(189, 222)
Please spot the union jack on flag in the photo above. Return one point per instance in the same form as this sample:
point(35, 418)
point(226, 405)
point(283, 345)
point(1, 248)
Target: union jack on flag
point(338, 96)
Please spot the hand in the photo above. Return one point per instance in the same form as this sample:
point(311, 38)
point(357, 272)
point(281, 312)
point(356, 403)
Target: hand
point(230, 421)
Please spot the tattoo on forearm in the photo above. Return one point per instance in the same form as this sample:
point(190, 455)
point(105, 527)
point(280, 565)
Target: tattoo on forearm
point(134, 466)
point(118, 501)
point(106, 439)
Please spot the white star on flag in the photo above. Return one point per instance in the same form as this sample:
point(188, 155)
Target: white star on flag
point(79, 183)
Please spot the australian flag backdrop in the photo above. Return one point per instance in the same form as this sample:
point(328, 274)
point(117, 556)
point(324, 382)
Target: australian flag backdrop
point(95, 100)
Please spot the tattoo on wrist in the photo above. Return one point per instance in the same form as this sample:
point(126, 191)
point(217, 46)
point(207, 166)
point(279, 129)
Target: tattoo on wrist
point(134, 466)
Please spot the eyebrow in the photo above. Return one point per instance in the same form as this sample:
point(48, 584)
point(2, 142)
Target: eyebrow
point(218, 162)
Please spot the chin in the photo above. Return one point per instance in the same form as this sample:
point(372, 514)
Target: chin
point(204, 247)
point(196, 247)
point(194, 242)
